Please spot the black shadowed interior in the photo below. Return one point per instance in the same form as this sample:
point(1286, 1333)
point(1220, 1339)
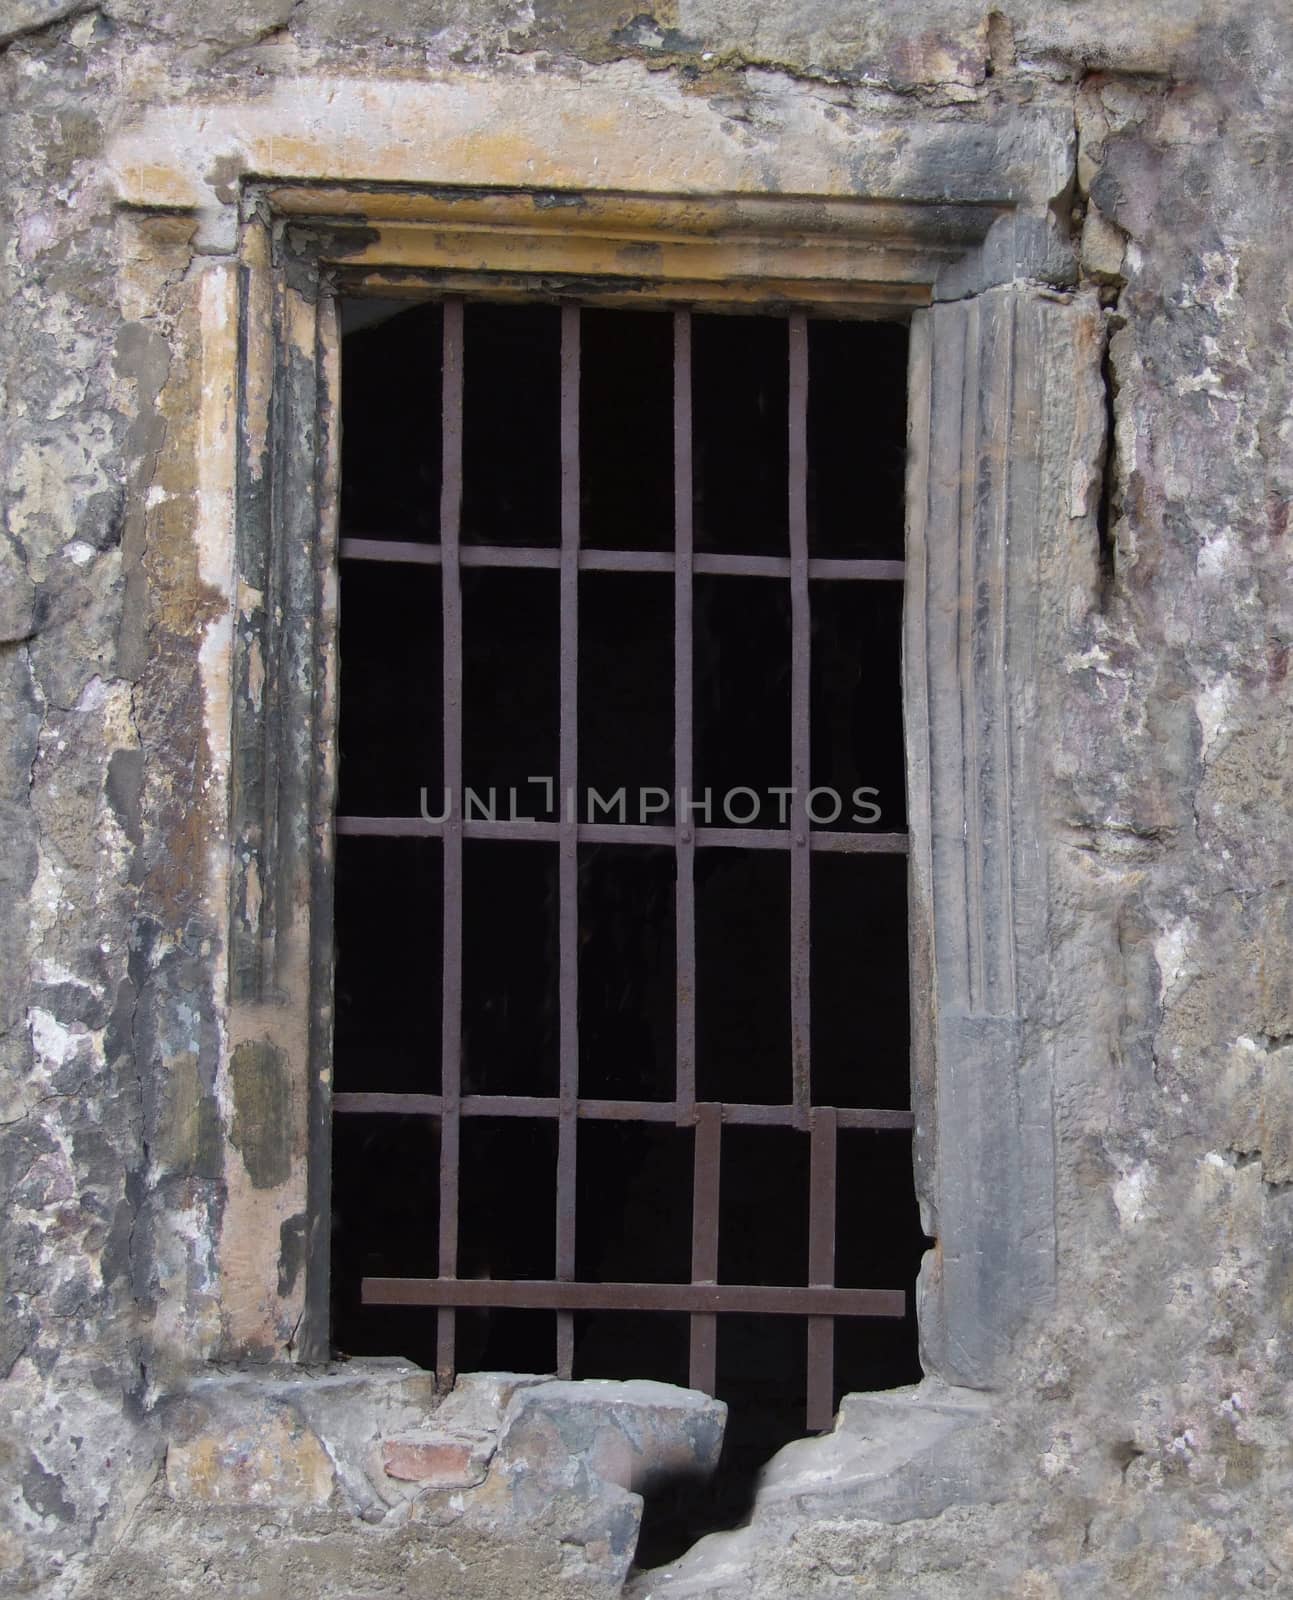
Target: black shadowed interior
point(626, 696)
point(392, 758)
point(385, 1219)
point(390, 409)
point(740, 390)
point(511, 439)
point(741, 699)
point(857, 438)
point(626, 972)
point(743, 976)
point(626, 429)
point(860, 1017)
point(856, 707)
point(510, 691)
point(388, 950)
point(509, 962)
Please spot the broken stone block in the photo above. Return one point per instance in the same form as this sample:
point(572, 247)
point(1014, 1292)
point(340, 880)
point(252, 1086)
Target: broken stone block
point(352, 1408)
point(573, 1461)
point(594, 1524)
point(454, 1452)
point(894, 1456)
point(636, 1434)
point(263, 1455)
point(478, 1400)
point(1103, 247)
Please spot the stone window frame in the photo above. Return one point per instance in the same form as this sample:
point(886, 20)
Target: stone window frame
point(955, 229)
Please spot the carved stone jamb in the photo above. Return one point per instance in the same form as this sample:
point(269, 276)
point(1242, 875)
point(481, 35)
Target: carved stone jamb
point(1006, 436)
point(283, 775)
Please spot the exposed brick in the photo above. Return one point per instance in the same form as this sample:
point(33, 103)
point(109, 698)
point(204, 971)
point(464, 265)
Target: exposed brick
point(438, 1460)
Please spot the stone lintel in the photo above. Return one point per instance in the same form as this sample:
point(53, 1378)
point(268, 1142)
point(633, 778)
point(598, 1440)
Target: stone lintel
point(618, 129)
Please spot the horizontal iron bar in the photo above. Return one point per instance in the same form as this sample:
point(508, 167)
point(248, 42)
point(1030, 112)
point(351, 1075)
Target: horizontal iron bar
point(517, 1105)
point(661, 834)
point(512, 1294)
point(593, 560)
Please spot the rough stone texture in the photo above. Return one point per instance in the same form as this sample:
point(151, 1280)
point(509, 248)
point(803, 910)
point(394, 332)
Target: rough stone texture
point(634, 1434)
point(573, 1462)
point(1142, 1443)
point(357, 1480)
point(900, 1456)
point(265, 1459)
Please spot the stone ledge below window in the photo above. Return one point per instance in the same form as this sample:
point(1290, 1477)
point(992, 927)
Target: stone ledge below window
point(506, 1458)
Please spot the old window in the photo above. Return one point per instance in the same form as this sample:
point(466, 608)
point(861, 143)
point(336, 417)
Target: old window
point(1005, 427)
point(946, 220)
point(621, 1080)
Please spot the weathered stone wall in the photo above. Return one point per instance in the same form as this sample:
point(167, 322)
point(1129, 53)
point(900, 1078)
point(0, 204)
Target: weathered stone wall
point(1143, 1446)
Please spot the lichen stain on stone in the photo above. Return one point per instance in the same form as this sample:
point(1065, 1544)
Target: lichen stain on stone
point(595, 32)
point(292, 1235)
point(224, 176)
point(123, 788)
point(188, 1128)
point(252, 897)
point(177, 880)
point(43, 1492)
point(262, 1112)
point(640, 254)
point(255, 674)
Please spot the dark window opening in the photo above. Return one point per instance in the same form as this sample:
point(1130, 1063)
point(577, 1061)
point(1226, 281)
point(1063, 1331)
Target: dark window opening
point(509, 967)
point(622, 981)
point(857, 424)
point(386, 1018)
point(510, 691)
point(390, 446)
point(742, 977)
point(627, 962)
point(857, 751)
point(741, 707)
point(392, 692)
point(740, 413)
point(626, 639)
point(511, 464)
point(626, 430)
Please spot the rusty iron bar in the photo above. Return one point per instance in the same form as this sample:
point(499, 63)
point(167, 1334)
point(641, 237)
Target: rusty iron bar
point(823, 1150)
point(393, 1103)
point(709, 563)
point(822, 839)
point(706, 1168)
point(800, 742)
point(685, 844)
point(451, 969)
point(565, 1296)
point(568, 837)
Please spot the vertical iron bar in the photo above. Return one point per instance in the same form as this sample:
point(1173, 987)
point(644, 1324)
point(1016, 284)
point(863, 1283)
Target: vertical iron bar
point(821, 1266)
point(685, 838)
point(800, 636)
point(451, 1014)
point(704, 1241)
point(568, 846)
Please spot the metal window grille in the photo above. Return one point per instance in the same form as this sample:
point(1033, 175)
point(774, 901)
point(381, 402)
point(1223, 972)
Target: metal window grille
point(703, 1298)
